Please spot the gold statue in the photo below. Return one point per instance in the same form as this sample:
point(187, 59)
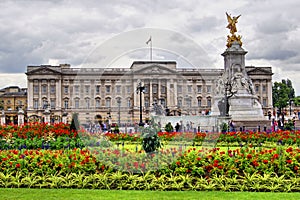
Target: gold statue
point(232, 23)
point(232, 27)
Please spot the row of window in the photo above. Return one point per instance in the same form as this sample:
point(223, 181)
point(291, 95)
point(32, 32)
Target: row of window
point(44, 89)
point(87, 103)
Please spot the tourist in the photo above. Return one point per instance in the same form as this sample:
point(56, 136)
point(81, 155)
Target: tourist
point(231, 126)
point(177, 127)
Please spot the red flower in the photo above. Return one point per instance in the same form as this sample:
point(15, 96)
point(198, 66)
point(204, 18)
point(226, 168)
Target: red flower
point(18, 165)
point(198, 158)
point(289, 161)
point(249, 156)
point(265, 161)
point(178, 163)
point(136, 165)
point(290, 149)
point(255, 163)
point(275, 156)
point(220, 167)
point(296, 168)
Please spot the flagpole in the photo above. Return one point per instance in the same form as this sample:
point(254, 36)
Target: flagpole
point(150, 40)
point(150, 48)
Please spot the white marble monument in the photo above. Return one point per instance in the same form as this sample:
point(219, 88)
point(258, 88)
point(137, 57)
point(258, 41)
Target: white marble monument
point(234, 94)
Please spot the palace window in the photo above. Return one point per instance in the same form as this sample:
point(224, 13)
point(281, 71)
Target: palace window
point(179, 88)
point(52, 104)
point(35, 89)
point(107, 88)
point(97, 89)
point(36, 104)
point(147, 103)
point(154, 89)
point(146, 89)
point(66, 103)
point(87, 103)
point(108, 102)
point(66, 89)
point(44, 89)
point(189, 87)
point(199, 88)
point(179, 102)
point(87, 89)
point(163, 89)
point(76, 89)
point(128, 88)
point(209, 102)
point(256, 88)
point(188, 102)
point(118, 89)
point(76, 103)
point(264, 102)
point(97, 103)
point(52, 89)
point(208, 89)
point(129, 103)
point(199, 102)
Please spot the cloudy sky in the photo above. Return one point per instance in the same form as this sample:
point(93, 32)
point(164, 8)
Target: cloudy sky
point(113, 33)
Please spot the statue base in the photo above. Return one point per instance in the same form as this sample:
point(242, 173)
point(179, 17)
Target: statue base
point(245, 107)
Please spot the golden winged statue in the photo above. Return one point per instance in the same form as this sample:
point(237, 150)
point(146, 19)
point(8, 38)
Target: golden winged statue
point(232, 27)
point(232, 23)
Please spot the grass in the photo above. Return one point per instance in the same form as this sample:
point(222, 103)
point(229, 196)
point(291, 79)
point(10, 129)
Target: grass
point(78, 194)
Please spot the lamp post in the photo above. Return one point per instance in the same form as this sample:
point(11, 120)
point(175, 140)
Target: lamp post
point(290, 104)
point(119, 114)
point(140, 89)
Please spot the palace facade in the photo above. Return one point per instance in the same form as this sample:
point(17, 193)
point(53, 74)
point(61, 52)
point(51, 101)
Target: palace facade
point(112, 93)
point(12, 99)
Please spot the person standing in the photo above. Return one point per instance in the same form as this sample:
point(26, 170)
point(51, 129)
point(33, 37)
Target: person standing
point(177, 127)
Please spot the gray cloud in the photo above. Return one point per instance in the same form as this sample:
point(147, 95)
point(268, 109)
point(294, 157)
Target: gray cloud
point(34, 32)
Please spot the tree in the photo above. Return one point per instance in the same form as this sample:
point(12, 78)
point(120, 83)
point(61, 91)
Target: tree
point(282, 93)
point(297, 101)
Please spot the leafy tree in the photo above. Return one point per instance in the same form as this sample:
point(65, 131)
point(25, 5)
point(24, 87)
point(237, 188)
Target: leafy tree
point(282, 92)
point(297, 101)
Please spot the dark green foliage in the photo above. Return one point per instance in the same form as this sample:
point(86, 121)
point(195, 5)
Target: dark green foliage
point(282, 92)
point(151, 142)
point(224, 127)
point(289, 125)
point(169, 128)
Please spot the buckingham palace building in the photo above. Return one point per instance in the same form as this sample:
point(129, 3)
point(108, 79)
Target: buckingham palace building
point(114, 93)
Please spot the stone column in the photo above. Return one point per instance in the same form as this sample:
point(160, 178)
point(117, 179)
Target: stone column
point(20, 117)
point(47, 115)
point(65, 118)
point(3, 122)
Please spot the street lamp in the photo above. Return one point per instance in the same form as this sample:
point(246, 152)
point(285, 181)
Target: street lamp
point(140, 89)
point(119, 106)
point(290, 104)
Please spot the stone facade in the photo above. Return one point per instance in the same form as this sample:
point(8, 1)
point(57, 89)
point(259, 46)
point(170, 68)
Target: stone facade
point(111, 94)
point(12, 100)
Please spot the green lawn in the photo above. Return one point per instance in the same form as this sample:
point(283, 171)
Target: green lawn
point(76, 194)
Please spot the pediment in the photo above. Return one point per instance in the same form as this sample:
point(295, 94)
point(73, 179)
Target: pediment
point(259, 71)
point(155, 69)
point(43, 70)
